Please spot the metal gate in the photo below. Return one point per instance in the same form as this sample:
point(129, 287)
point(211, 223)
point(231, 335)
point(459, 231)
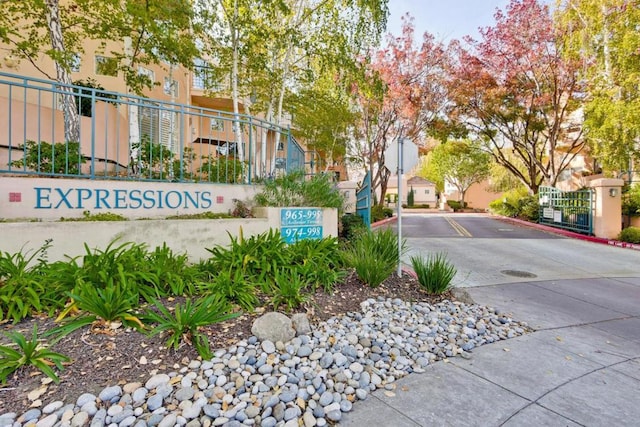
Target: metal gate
point(569, 210)
point(363, 200)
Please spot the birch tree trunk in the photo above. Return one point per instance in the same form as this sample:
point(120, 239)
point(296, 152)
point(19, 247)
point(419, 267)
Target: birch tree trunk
point(69, 110)
point(234, 83)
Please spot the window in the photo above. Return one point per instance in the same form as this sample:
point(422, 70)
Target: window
point(149, 122)
point(170, 87)
point(217, 124)
point(426, 191)
point(106, 66)
point(75, 63)
point(147, 73)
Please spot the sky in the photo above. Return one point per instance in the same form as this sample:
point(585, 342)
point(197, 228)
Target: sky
point(445, 19)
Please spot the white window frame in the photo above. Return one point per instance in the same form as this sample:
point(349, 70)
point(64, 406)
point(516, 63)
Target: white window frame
point(76, 63)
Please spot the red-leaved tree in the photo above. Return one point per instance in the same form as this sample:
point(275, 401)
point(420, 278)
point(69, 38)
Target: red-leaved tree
point(400, 93)
point(514, 91)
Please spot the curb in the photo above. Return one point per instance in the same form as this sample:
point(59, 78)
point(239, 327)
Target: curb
point(384, 221)
point(571, 234)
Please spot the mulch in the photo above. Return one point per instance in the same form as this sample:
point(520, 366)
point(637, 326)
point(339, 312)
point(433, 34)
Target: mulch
point(102, 356)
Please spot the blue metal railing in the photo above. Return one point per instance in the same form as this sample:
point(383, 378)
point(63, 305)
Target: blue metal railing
point(123, 136)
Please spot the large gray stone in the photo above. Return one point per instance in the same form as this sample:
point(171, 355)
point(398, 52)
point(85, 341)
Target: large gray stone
point(273, 327)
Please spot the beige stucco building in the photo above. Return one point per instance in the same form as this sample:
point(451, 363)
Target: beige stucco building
point(424, 191)
point(180, 111)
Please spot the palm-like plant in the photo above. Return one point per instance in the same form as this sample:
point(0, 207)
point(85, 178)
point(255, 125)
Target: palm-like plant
point(115, 302)
point(184, 323)
point(20, 283)
point(29, 352)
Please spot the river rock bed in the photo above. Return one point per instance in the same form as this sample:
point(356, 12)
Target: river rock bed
point(311, 380)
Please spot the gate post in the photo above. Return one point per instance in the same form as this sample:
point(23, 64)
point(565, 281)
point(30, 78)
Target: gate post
point(607, 221)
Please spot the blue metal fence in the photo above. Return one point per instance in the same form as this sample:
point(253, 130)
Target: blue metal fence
point(569, 210)
point(123, 136)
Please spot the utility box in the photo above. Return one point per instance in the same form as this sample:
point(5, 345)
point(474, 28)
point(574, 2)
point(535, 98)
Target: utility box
point(349, 189)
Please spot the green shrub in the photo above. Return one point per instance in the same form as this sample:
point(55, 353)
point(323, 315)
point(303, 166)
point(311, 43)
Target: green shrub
point(223, 169)
point(631, 200)
point(434, 273)
point(512, 203)
point(456, 205)
point(21, 283)
point(59, 158)
point(257, 257)
point(379, 212)
point(294, 190)
point(201, 215)
point(171, 273)
point(374, 255)
point(420, 206)
point(115, 301)
point(102, 216)
point(234, 287)
point(529, 208)
point(28, 353)
point(289, 289)
point(630, 235)
point(318, 262)
point(352, 226)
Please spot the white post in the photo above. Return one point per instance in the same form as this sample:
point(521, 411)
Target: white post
point(400, 171)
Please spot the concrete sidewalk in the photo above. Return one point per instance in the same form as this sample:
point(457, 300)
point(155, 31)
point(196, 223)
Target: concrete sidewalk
point(581, 365)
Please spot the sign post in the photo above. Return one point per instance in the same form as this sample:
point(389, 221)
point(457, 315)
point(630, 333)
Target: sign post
point(400, 155)
point(400, 172)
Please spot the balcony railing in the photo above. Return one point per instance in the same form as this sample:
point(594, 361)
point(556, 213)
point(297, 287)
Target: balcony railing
point(204, 79)
point(122, 136)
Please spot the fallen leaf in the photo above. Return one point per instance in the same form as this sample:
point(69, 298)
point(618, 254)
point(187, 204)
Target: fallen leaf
point(506, 349)
point(389, 393)
point(559, 338)
point(35, 394)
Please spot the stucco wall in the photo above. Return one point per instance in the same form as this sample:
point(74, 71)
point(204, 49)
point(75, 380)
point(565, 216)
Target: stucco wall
point(49, 199)
point(192, 237)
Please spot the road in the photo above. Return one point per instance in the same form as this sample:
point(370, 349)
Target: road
point(487, 251)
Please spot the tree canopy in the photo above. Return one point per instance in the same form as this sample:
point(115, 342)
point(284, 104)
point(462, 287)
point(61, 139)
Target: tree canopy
point(603, 36)
point(515, 92)
point(459, 163)
point(399, 94)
